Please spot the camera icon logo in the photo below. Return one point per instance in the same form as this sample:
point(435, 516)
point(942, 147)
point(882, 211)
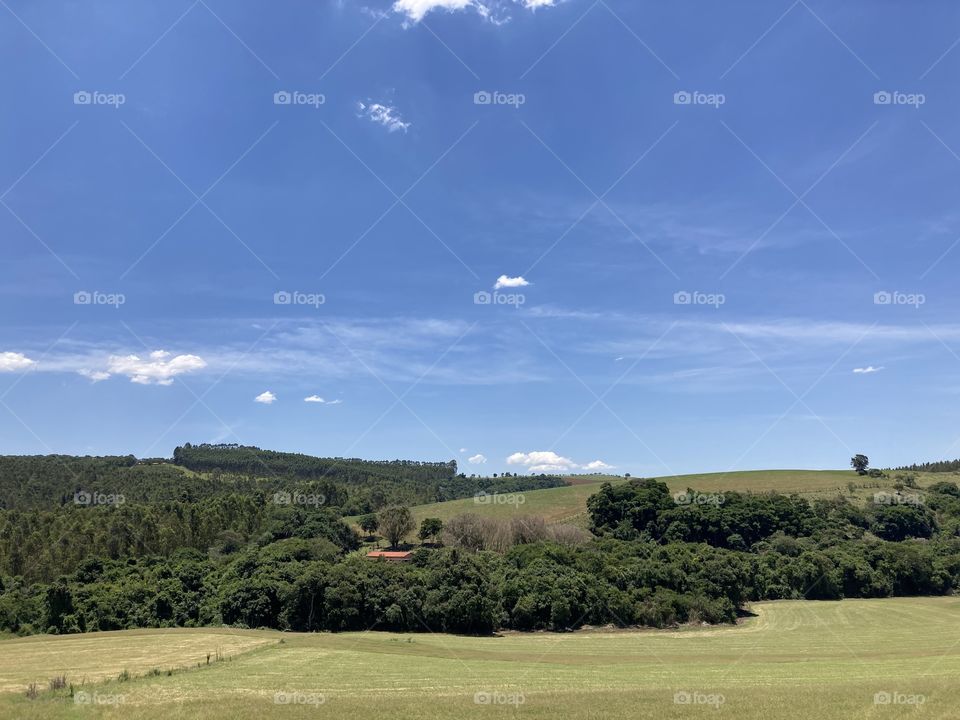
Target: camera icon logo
point(82, 298)
point(82, 498)
point(82, 97)
point(282, 97)
point(282, 498)
point(482, 98)
point(882, 298)
point(282, 298)
point(682, 97)
point(482, 297)
point(682, 298)
point(882, 98)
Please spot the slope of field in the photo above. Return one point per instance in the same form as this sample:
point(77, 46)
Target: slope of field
point(569, 504)
point(98, 656)
point(794, 660)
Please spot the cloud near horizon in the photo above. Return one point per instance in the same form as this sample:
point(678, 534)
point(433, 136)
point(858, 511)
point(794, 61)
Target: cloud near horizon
point(547, 461)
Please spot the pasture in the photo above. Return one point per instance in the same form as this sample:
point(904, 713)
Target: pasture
point(792, 660)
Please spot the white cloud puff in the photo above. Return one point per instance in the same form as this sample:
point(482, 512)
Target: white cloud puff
point(158, 369)
point(386, 115)
point(266, 398)
point(94, 375)
point(510, 282)
point(866, 370)
point(477, 459)
point(12, 362)
point(547, 461)
point(319, 400)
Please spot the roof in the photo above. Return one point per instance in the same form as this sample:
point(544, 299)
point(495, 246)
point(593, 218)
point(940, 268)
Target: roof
point(389, 554)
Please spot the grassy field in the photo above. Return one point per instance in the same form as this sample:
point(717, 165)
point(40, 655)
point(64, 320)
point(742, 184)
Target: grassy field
point(569, 504)
point(793, 660)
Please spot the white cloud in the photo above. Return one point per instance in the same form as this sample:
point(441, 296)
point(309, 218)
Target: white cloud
point(867, 370)
point(157, 369)
point(547, 461)
point(12, 362)
point(386, 115)
point(510, 282)
point(94, 375)
point(266, 398)
point(492, 10)
point(463, 450)
point(320, 400)
point(477, 459)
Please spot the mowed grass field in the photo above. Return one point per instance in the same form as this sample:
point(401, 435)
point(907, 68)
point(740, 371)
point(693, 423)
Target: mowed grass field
point(793, 660)
point(569, 504)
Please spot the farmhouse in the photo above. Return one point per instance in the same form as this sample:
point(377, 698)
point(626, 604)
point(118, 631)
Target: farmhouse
point(390, 555)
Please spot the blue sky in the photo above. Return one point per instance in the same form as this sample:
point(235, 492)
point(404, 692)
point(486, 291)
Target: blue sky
point(723, 234)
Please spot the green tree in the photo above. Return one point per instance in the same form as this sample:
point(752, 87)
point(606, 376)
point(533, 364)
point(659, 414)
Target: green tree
point(430, 528)
point(395, 523)
point(369, 524)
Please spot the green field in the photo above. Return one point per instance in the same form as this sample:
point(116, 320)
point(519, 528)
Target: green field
point(569, 504)
point(793, 660)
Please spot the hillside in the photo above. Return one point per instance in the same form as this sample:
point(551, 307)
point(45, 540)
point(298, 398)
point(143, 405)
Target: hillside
point(569, 504)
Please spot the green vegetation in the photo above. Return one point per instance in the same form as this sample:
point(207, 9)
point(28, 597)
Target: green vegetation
point(791, 661)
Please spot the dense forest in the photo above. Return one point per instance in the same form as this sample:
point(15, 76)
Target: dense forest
point(227, 552)
point(197, 472)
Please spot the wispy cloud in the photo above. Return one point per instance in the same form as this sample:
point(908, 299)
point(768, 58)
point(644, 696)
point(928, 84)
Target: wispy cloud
point(493, 10)
point(320, 401)
point(867, 370)
point(266, 398)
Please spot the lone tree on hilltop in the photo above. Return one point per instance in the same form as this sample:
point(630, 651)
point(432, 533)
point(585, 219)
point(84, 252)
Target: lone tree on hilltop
point(860, 464)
